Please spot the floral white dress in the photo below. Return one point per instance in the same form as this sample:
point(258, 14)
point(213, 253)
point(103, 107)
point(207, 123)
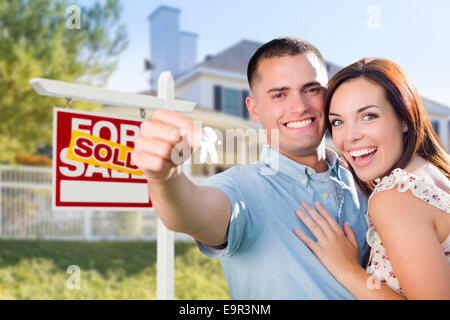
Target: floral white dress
point(379, 264)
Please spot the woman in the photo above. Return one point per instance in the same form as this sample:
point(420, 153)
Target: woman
point(378, 122)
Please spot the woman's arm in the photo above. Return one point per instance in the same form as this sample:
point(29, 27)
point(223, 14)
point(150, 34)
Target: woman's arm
point(364, 286)
point(406, 228)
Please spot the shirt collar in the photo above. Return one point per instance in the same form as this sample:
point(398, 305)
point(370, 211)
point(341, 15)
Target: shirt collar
point(298, 171)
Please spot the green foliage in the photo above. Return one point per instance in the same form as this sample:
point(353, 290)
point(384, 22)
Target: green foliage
point(35, 42)
point(109, 270)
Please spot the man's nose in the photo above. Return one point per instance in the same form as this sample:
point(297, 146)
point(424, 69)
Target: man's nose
point(297, 103)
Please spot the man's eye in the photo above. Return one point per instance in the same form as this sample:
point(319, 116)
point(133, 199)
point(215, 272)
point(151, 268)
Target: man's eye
point(335, 122)
point(278, 96)
point(313, 90)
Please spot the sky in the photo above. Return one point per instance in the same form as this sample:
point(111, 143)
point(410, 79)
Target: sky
point(413, 33)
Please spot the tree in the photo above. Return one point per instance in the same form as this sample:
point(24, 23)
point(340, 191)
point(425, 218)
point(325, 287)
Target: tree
point(36, 42)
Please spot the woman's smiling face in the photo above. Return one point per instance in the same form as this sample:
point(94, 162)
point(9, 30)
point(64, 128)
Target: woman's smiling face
point(365, 128)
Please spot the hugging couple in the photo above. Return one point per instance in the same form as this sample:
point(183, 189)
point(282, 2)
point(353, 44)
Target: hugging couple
point(374, 224)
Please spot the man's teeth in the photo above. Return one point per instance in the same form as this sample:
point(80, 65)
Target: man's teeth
point(362, 152)
point(299, 124)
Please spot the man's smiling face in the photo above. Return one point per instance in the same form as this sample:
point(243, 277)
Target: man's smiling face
point(288, 95)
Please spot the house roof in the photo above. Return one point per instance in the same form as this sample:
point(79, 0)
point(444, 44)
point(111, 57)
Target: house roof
point(332, 69)
point(234, 59)
point(435, 107)
point(233, 62)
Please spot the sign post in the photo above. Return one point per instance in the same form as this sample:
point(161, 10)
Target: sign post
point(165, 99)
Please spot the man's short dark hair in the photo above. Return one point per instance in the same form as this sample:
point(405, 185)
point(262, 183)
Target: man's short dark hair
point(280, 47)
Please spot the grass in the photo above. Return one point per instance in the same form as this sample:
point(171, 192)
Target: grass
point(36, 269)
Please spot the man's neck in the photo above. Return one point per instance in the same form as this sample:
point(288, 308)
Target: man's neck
point(313, 161)
point(313, 157)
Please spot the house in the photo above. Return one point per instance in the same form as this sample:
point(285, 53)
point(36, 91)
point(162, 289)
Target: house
point(218, 84)
point(440, 119)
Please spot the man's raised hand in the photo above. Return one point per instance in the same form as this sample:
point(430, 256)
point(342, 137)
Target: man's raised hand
point(158, 149)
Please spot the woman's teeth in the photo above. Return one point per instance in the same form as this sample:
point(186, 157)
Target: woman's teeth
point(362, 152)
point(299, 124)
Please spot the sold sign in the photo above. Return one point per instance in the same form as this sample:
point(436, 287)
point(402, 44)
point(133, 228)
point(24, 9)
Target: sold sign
point(92, 165)
point(101, 152)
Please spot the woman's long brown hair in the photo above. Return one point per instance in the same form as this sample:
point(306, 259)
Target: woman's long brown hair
point(405, 99)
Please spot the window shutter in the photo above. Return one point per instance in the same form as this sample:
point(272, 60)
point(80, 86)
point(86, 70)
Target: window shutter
point(245, 94)
point(435, 125)
point(218, 98)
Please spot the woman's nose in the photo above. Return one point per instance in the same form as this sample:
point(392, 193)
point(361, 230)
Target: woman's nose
point(353, 132)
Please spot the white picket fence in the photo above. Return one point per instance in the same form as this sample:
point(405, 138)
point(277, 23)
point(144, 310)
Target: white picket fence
point(26, 213)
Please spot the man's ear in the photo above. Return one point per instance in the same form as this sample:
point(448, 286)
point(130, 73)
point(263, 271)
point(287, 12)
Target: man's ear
point(252, 110)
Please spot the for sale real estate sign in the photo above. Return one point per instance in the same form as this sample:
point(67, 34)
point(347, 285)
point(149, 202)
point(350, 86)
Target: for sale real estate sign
point(92, 166)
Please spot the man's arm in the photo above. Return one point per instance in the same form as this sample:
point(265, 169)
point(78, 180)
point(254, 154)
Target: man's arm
point(202, 212)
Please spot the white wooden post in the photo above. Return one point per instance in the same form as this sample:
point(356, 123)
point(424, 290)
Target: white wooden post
point(1, 213)
point(166, 99)
point(165, 254)
point(87, 216)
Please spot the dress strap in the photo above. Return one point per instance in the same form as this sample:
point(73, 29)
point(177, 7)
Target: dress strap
point(419, 186)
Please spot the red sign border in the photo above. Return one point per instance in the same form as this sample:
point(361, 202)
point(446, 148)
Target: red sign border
point(110, 206)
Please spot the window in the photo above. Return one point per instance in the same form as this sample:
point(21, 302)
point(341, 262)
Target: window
point(448, 136)
point(245, 94)
point(435, 125)
point(231, 101)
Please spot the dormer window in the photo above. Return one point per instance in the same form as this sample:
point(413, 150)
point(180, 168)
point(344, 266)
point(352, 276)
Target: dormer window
point(435, 125)
point(231, 101)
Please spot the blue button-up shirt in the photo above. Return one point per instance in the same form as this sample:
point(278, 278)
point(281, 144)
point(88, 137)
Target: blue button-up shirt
point(264, 259)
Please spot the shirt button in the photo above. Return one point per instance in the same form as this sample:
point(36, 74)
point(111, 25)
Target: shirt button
point(309, 172)
point(325, 195)
point(304, 181)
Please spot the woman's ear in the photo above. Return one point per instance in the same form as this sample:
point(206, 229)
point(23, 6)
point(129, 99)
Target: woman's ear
point(252, 110)
point(405, 127)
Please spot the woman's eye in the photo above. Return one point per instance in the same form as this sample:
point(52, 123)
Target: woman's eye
point(335, 122)
point(370, 116)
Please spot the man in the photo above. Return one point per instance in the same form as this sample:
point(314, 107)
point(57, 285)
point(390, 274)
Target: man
point(245, 216)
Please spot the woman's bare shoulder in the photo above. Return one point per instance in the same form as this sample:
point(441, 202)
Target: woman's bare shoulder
point(398, 206)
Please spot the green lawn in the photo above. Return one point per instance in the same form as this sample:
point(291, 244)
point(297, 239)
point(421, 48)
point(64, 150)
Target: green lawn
point(109, 270)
